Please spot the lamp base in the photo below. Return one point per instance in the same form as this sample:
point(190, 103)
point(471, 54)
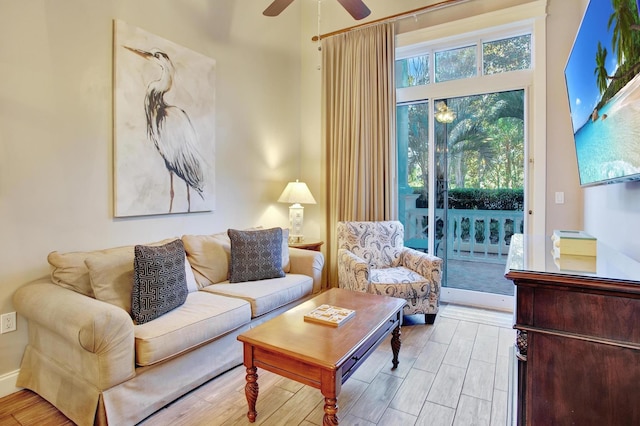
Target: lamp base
point(296, 219)
point(296, 239)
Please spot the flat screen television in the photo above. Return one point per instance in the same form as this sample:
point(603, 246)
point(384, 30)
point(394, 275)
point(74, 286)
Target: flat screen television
point(602, 76)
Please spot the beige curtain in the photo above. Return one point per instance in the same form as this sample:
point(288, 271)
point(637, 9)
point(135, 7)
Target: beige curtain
point(358, 104)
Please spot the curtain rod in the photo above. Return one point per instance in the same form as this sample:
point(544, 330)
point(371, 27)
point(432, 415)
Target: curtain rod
point(420, 10)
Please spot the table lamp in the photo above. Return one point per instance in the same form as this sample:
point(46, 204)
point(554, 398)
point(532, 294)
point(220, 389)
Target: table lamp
point(297, 193)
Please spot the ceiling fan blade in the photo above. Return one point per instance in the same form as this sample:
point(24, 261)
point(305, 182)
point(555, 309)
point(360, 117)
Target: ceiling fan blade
point(356, 8)
point(276, 7)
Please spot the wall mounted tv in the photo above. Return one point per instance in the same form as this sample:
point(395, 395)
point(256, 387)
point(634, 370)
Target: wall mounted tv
point(603, 84)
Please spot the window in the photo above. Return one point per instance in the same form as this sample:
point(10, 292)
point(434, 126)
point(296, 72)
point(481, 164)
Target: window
point(506, 55)
point(455, 64)
point(498, 56)
point(412, 71)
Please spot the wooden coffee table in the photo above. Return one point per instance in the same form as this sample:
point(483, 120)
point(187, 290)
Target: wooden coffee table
point(319, 355)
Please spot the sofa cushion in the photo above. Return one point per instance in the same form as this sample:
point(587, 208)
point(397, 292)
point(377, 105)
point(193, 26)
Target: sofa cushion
point(112, 277)
point(380, 243)
point(286, 262)
point(209, 257)
point(399, 282)
point(159, 280)
point(192, 285)
point(266, 295)
point(255, 255)
point(202, 318)
point(70, 271)
point(111, 274)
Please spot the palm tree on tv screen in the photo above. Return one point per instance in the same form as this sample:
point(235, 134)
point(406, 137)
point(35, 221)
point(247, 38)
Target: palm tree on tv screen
point(602, 77)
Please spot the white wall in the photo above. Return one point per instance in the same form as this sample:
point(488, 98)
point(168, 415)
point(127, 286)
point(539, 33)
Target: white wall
point(612, 213)
point(56, 138)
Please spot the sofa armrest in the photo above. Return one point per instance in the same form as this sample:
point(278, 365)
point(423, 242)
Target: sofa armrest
point(353, 272)
point(92, 339)
point(428, 266)
point(307, 262)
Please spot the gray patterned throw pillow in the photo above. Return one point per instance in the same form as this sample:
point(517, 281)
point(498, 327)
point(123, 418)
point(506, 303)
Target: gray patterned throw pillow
point(159, 283)
point(255, 255)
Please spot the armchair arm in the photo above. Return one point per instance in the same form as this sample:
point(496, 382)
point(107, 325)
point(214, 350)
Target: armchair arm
point(307, 262)
point(428, 266)
point(353, 272)
point(90, 338)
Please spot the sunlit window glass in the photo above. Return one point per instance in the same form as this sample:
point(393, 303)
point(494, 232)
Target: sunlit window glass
point(508, 54)
point(412, 71)
point(455, 64)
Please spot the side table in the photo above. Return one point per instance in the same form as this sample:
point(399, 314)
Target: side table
point(308, 245)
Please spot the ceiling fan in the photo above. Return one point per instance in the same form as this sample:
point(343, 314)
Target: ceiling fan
point(356, 8)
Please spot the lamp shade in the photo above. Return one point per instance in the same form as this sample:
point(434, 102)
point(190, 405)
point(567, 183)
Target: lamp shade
point(296, 192)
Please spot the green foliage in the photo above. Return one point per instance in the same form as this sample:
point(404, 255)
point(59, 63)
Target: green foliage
point(486, 199)
point(478, 199)
point(602, 78)
point(486, 141)
point(412, 71)
point(455, 64)
point(625, 26)
point(508, 54)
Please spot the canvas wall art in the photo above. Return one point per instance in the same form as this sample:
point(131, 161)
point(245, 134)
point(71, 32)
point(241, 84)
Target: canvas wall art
point(164, 126)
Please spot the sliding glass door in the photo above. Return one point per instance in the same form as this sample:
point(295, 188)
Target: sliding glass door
point(462, 132)
point(469, 184)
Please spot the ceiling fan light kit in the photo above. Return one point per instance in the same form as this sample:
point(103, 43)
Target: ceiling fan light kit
point(356, 8)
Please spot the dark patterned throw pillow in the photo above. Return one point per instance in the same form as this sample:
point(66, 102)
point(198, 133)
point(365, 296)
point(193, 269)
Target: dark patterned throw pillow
point(255, 255)
point(159, 282)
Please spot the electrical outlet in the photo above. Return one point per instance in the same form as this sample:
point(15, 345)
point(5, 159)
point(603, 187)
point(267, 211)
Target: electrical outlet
point(7, 322)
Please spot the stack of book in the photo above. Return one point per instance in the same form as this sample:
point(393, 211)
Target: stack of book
point(574, 251)
point(329, 315)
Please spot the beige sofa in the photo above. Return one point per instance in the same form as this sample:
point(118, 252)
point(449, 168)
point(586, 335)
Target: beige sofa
point(88, 357)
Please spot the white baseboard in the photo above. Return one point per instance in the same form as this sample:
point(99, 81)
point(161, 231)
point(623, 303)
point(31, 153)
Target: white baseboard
point(8, 383)
point(478, 299)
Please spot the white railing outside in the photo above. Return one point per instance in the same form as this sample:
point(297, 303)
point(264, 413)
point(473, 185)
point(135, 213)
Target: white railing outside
point(469, 232)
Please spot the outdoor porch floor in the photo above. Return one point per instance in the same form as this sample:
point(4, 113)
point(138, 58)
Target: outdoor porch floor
point(478, 276)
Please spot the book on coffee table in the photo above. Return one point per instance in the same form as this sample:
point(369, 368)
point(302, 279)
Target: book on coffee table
point(329, 315)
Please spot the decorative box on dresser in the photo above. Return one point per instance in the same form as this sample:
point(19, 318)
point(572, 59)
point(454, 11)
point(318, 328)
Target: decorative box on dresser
point(578, 343)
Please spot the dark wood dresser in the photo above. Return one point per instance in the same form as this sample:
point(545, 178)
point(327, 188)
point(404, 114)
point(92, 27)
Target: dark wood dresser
point(578, 338)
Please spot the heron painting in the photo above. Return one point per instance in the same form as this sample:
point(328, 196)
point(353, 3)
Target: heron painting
point(164, 131)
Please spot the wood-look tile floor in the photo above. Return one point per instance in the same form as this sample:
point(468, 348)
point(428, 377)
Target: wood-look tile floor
point(454, 372)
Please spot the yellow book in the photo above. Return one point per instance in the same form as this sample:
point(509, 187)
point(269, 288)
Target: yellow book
point(577, 243)
point(575, 263)
point(329, 315)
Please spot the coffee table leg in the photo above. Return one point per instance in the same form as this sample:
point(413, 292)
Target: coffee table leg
point(395, 346)
point(251, 391)
point(330, 412)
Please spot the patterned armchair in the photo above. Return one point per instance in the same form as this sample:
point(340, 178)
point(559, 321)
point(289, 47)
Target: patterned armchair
point(372, 258)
